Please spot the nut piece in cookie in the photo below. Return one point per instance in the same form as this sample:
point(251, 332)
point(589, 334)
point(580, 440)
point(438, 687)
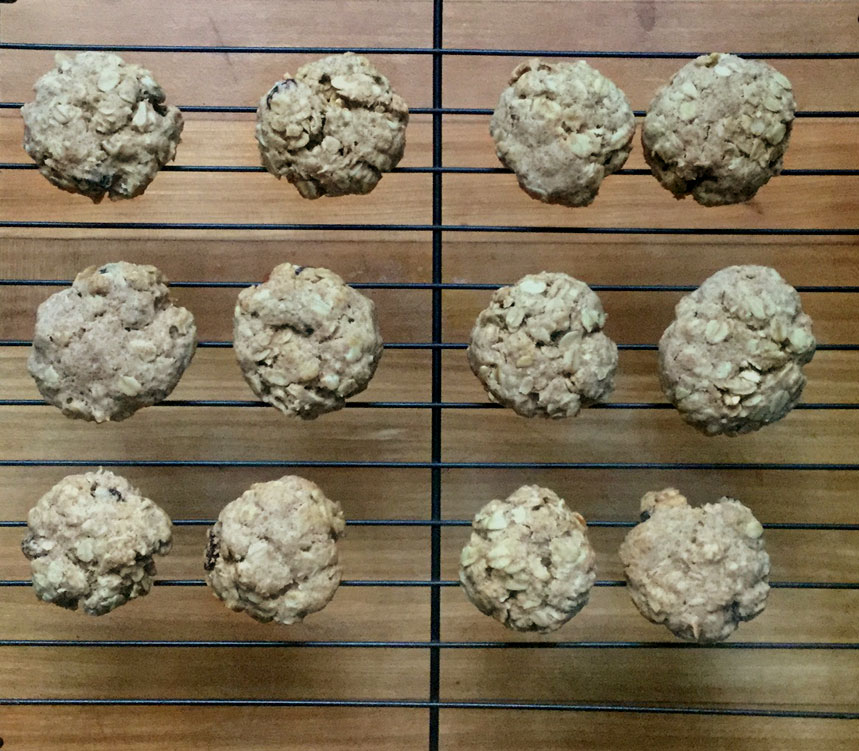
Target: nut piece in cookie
point(305, 340)
point(731, 361)
point(333, 128)
point(539, 348)
point(719, 129)
point(528, 563)
point(111, 343)
point(699, 571)
point(273, 551)
point(562, 127)
point(91, 541)
point(99, 126)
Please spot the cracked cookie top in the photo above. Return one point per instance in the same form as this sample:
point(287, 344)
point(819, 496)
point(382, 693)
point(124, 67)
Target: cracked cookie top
point(562, 127)
point(333, 128)
point(305, 340)
point(539, 349)
point(99, 126)
point(731, 361)
point(91, 541)
point(111, 343)
point(528, 563)
point(719, 129)
point(699, 571)
point(273, 551)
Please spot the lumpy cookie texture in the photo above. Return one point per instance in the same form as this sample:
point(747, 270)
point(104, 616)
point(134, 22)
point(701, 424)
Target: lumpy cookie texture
point(305, 340)
point(99, 126)
point(562, 127)
point(731, 361)
point(719, 129)
point(273, 551)
point(539, 349)
point(91, 541)
point(528, 563)
point(112, 343)
point(334, 128)
point(699, 571)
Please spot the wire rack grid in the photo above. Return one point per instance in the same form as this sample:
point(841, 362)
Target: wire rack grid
point(436, 405)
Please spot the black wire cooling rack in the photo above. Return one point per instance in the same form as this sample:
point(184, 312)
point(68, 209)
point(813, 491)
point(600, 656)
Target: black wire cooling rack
point(435, 464)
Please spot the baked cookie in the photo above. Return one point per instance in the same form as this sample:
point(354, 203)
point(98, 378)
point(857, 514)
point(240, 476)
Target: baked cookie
point(719, 129)
point(539, 348)
point(99, 126)
point(112, 343)
point(562, 127)
point(731, 361)
point(273, 551)
point(305, 340)
point(528, 563)
point(334, 128)
point(700, 571)
point(91, 541)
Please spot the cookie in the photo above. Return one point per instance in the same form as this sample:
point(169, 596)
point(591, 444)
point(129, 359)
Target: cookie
point(719, 129)
point(334, 128)
point(273, 551)
point(731, 361)
point(699, 571)
point(110, 344)
point(562, 127)
point(305, 340)
point(91, 541)
point(99, 126)
point(539, 348)
point(528, 563)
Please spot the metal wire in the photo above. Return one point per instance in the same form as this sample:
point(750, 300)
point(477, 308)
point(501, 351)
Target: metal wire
point(436, 463)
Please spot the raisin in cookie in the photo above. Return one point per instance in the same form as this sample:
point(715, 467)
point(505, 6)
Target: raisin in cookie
point(112, 343)
point(273, 551)
point(539, 348)
point(99, 126)
point(91, 541)
point(528, 563)
point(305, 340)
point(731, 361)
point(700, 571)
point(562, 127)
point(719, 129)
point(334, 128)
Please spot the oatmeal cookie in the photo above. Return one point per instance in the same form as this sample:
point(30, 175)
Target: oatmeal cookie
point(273, 551)
point(719, 129)
point(699, 571)
point(99, 126)
point(334, 128)
point(91, 541)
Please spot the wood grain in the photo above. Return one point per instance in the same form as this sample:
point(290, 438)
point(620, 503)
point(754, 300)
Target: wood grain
point(820, 679)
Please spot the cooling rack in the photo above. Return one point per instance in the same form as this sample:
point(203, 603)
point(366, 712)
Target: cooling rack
point(437, 405)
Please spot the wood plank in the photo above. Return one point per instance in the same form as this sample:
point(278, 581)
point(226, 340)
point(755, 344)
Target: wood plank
point(471, 730)
point(212, 728)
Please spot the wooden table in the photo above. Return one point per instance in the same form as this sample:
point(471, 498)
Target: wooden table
point(816, 680)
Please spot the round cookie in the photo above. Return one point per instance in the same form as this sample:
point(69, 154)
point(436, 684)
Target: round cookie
point(273, 551)
point(719, 129)
point(699, 571)
point(731, 361)
point(562, 127)
point(539, 348)
point(528, 563)
point(99, 126)
point(334, 128)
point(91, 541)
point(305, 340)
point(111, 343)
